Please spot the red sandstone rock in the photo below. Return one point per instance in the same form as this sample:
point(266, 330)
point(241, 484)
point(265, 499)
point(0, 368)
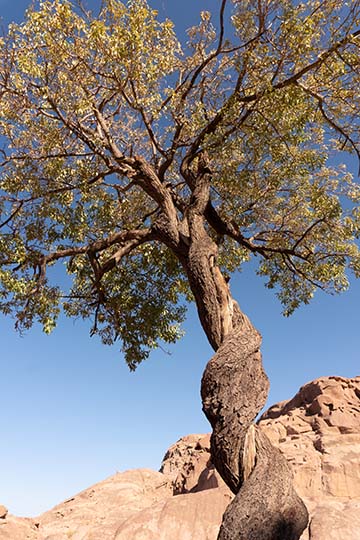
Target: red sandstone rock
point(187, 463)
point(14, 528)
point(97, 512)
point(195, 516)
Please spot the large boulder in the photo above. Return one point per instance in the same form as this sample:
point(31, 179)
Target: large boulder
point(187, 463)
point(195, 516)
point(97, 512)
point(139, 505)
point(318, 431)
point(15, 528)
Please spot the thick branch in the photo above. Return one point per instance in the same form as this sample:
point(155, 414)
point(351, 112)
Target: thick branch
point(128, 240)
point(145, 176)
point(208, 285)
point(230, 229)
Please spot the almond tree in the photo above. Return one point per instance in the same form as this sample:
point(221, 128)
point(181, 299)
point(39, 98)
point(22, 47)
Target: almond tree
point(151, 171)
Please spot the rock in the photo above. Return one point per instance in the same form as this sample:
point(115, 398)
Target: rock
point(13, 528)
point(319, 433)
point(98, 511)
point(3, 512)
point(194, 516)
point(335, 520)
point(139, 504)
point(187, 463)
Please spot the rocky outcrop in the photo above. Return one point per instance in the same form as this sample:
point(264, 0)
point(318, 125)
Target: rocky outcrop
point(187, 463)
point(97, 512)
point(195, 516)
point(319, 433)
point(134, 504)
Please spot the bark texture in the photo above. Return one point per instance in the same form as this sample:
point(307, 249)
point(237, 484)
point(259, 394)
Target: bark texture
point(234, 389)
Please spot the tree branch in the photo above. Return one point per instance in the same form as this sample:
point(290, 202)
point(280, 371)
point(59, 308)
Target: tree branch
point(12, 215)
point(299, 74)
point(222, 30)
point(330, 121)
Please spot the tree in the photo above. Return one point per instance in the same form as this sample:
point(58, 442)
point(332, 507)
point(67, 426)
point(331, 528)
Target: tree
point(154, 170)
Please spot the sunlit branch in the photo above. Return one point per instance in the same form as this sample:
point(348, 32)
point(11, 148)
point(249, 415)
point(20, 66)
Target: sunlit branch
point(231, 230)
point(296, 271)
point(308, 230)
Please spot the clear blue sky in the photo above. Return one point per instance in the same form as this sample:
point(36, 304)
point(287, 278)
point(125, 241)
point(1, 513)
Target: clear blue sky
point(72, 414)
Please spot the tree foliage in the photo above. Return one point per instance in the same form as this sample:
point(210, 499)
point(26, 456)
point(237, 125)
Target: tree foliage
point(108, 123)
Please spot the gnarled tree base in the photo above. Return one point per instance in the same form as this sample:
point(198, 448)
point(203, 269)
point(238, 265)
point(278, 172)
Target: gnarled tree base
point(266, 506)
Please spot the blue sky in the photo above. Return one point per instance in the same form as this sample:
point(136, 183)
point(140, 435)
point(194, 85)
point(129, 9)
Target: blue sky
point(72, 413)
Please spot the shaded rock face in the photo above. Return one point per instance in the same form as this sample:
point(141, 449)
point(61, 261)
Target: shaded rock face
point(318, 431)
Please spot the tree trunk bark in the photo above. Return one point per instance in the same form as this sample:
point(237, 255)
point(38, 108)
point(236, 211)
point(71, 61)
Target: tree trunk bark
point(234, 389)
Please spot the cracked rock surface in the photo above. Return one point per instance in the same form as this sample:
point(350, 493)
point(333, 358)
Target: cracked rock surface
point(318, 430)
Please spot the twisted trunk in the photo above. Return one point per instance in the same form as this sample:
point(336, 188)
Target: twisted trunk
point(234, 386)
point(234, 389)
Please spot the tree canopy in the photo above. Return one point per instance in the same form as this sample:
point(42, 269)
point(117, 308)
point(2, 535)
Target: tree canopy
point(108, 123)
